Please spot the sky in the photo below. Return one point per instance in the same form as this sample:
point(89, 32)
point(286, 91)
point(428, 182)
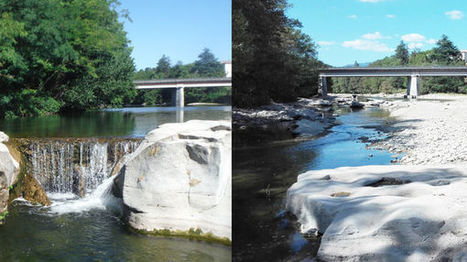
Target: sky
point(179, 29)
point(366, 30)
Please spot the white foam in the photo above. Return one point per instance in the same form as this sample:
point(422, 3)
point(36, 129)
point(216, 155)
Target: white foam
point(101, 198)
point(61, 196)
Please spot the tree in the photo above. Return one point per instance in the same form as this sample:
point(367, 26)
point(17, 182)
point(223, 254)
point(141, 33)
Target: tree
point(272, 58)
point(402, 53)
point(445, 52)
point(62, 51)
point(207, 65)
point(163, 67)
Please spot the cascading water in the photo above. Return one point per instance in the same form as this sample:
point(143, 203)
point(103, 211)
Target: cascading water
point(76, 166)
point(77, 173)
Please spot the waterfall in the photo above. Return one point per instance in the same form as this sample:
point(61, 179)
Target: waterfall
point(76, 166)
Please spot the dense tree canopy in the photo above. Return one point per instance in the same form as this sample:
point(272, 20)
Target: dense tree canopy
point(444, 54)
point(60, 55)
point(272, 58)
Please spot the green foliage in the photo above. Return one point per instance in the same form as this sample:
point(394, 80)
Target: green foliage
point(273, 59)
point(163, 66)
point(62, 55)
point(402, 53)
point(206, 66)
point(153, 97)
point(444, 54)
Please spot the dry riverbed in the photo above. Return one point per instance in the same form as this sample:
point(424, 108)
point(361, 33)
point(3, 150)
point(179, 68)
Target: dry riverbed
point(430, 130)
point(409, 212)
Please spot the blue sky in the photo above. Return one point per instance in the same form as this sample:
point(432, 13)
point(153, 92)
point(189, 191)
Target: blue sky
point(179, 29)
point(366, 30)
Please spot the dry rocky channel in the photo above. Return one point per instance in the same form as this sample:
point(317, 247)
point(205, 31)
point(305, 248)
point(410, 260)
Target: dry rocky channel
point(413, 211)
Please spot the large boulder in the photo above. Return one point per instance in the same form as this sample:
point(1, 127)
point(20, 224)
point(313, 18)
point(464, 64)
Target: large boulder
point(9, 169)
point(179, 179)
point(384, 213)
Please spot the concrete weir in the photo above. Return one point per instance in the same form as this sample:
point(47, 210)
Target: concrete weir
point(414, 73)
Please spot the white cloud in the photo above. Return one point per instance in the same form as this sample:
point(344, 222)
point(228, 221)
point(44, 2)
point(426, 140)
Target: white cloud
point(374, 36)
point(413, 37)
point(352, 16)
point(455, 14)
point(364, 44)
point(415, 45)
point(390, 16)
point(326, 43)
point(431, 41)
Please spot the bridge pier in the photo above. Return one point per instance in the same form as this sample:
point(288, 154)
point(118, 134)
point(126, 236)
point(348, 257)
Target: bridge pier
point(179, 115)
point(180, 96)
point(323, 88)
point(412, 86)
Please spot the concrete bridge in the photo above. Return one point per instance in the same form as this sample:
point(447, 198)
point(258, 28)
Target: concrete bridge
point(413, 73)
point(179, 85)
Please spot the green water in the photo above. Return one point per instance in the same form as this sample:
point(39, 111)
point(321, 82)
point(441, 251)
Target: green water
point(122, 122)
point(34, 233)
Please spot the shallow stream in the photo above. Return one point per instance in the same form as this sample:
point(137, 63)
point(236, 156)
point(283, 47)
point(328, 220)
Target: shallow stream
point(263, 173)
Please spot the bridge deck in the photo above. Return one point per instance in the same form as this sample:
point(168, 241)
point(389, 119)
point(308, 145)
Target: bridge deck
point(189, 82)
point(394, 71)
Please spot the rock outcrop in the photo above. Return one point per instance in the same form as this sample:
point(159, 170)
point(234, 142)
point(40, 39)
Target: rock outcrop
point(33, 192)
point(9, 169)
point(179, 179)
point(384, 213)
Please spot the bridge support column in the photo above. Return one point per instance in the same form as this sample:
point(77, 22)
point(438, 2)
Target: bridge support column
point(180, 97)
point(179, 115)
point(323, 88)
point(412, 87)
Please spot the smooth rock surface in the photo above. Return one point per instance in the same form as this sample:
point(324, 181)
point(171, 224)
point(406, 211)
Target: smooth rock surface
point(9, 169)
point(384, 213)
point(180, 178)
point(3, 137)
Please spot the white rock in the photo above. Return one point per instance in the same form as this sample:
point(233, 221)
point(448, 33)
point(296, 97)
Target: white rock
point(180, 178)
point(8, 165)
point(3, 137)
point(425, 220)
point(9, 170)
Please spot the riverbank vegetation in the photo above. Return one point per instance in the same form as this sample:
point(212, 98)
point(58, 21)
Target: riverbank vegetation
point(273, 59)
point(444, 54)
point(206, 66)
point(58, 56)
point(67, 56)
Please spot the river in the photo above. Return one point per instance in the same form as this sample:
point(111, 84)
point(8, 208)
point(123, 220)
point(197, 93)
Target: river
point(263, 173)
point(88, 228)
